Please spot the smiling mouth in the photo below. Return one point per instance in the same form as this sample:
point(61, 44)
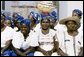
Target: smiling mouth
point(23, 31)
point(45, 26)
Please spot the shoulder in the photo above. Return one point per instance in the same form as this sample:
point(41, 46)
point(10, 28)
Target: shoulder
point(80, 32)
point(17, 35)
point(10, 29)
point(37, 27)
point(53, 32)
point(80, 35)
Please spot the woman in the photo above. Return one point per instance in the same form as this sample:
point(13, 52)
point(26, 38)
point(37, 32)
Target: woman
point(21, 41)
point(78, 13)
point(6, 36)
point(7, 21)
point(17, 22)
point(34, 19)
point(71, 40)
point(52, 23)
point(45, 40)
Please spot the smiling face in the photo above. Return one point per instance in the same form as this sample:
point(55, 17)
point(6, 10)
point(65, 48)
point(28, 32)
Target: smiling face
point(45, 23)
point(24, 29)
point(7, 23)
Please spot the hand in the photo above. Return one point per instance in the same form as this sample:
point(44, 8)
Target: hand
point(50, 52)
point(1, 52)
point(47, 53)
point(24, 54)
point(60, 52)
point(65, 54)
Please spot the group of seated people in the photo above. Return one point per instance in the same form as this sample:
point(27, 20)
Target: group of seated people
point(48, 36)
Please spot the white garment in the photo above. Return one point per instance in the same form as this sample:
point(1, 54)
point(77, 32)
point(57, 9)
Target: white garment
point(81, 28)
point(70, 45)
point(37, 53)
point(37, 28)
point(15, 28)
point(46, 41)
point(60, 27)
point(19, 41)
point(6, 35)
point(33, 36)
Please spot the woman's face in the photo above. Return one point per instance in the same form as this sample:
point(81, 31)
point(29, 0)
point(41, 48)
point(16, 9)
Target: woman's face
point(7, 23)
point(14, 15)
point(24, 29)
point(71, 25)
point(17, 24)
point(45, 24)
point(75, 14)
point(52, 23)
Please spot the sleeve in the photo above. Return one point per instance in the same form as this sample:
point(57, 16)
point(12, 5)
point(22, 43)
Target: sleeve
point(81, 40)
point(9, 33)
point(33, 39)
point(60, 38)
point(17, 41)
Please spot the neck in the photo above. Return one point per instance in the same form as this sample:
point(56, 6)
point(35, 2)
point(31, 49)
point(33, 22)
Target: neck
point(45, 31)
point(25, 35)
point(72, 33)
point(32, 26)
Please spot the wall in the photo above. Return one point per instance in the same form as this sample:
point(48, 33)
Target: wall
point(74, 5)
point(66, 8)
point(62, 9)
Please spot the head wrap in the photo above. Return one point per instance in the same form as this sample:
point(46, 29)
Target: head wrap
point(26, 22)
point(79, 12)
